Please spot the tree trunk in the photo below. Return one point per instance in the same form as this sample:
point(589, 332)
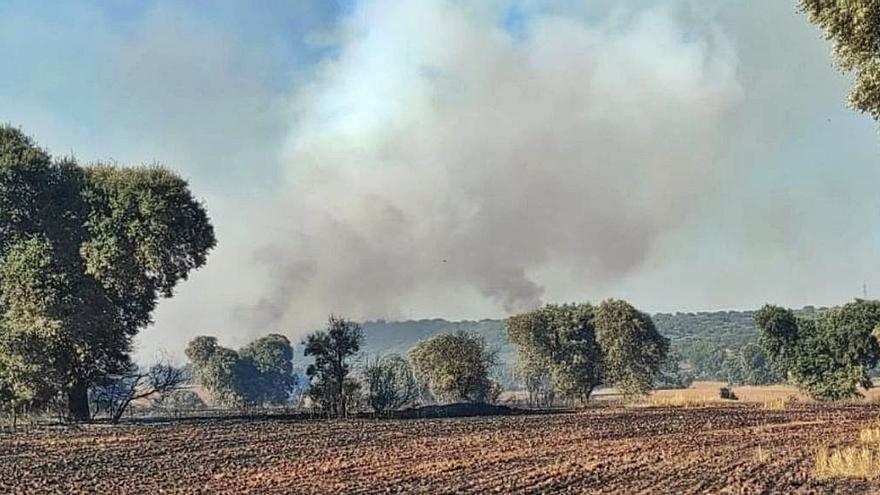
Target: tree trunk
point(78, 403)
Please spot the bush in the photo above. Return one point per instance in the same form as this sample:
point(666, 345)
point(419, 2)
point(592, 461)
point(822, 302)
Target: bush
point(390, 383)
point(455, 367)
point(726, 393)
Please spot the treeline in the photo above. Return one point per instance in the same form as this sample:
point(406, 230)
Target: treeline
point(713, 346)
point(260, 374)
point(453, 367)
point(564, 352)
point(719, 346)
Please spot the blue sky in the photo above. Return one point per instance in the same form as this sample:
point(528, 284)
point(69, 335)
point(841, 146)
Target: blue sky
point(683, 155)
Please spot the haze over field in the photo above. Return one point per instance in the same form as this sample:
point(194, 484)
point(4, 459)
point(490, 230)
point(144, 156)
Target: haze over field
point(429, 158)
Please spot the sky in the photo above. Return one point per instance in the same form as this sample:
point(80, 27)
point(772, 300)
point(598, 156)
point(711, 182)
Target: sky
point(465, 160)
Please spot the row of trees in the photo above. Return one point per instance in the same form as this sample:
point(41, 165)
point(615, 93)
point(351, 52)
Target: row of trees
point(745, 365)
point(259, 374)
point(566, 351)
point(452, 367)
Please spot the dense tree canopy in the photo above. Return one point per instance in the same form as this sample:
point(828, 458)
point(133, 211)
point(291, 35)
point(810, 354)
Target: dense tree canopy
point(854, 29)
point(632, 349)
point(558, 342)
point(582, 347)
point(828, 356)
point(750, 365)
point(259, 374)
point(455, 367)
point(85, 254)
point(272, 359)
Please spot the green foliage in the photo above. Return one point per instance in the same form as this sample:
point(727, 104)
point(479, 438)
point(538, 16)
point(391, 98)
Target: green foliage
point(390, 383)
point(580, 347)
point(32, 329)
point(272, 358)
point(706, 341)
point(455, 367)
point(398, 337)
point(260, 374)
point(671, 375)
point(829, 357)
point(330, 387)
point(558, 342)
point(219, 370)
point(146, 232)
point(854, 28)
point(720, 345)
point(632, 349)
point(86, 254)
point(750, 366)
point(703, 343)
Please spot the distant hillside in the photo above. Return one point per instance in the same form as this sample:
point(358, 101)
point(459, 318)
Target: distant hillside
point(698, 339)
point(727, 328)
point(399, 337)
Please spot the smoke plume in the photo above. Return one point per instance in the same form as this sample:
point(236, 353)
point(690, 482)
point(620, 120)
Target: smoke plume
point(439, 154)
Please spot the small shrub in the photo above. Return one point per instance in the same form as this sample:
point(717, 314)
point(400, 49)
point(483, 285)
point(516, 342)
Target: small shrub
point(726, 393)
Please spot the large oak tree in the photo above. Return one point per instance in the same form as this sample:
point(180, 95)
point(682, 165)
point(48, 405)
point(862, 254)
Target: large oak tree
point(85, 254)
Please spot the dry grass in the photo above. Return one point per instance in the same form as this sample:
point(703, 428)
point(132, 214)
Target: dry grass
point(776, 404)
point(761, 455)
point(683, 400)
point(870, 436)
point(774, 395)
point(763, 393)
point(851, 462)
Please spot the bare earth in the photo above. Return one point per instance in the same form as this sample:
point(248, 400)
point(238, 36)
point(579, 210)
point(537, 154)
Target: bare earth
point(604, 450)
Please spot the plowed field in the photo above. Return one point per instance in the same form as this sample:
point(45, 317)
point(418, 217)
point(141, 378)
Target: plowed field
point(605, 450)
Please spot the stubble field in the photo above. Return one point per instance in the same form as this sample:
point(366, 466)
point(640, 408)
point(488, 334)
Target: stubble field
point(722, 448)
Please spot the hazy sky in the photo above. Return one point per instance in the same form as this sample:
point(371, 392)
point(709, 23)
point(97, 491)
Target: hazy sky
point(429, 158)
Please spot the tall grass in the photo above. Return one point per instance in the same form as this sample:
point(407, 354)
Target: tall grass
point(777, 404)
point(851, 462)
point(681, 400)
point(870, 436)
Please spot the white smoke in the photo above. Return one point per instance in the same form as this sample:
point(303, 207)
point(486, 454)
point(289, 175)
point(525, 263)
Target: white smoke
point(439, 156)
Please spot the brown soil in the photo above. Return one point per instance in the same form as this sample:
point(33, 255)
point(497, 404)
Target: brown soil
point(601, 450)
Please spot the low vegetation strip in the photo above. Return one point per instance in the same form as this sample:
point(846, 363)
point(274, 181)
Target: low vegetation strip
point(600, 450)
